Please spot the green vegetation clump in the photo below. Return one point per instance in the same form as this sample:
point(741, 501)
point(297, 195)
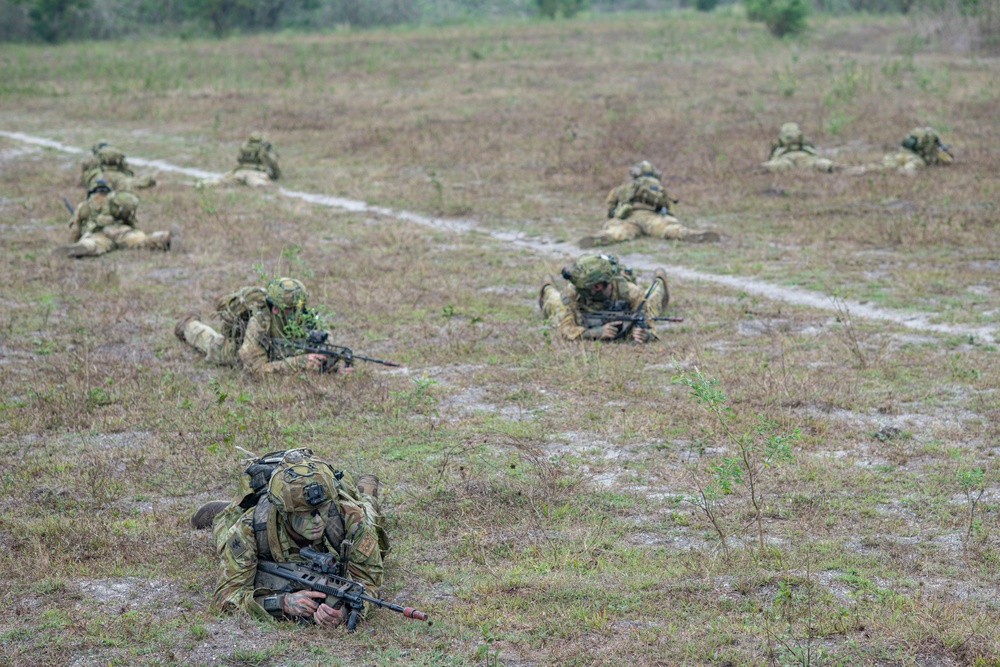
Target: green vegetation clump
point(782, 17)
point(551, 9)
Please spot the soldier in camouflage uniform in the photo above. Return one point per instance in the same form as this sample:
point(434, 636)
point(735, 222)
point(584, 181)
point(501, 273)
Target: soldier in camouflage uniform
point(106, 221)
point(251, 317)
point(307, 503)
point(791, 150)
point(257, 164)
point(110, 164)
point(594, 282)
point(641, 207)
point(920, 148)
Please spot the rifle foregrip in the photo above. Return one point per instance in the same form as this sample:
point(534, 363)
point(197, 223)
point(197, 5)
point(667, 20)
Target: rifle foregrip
point(410, 612)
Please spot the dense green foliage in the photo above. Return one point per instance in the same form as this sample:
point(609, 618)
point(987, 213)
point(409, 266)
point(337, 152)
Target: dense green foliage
point(782, 17)
point(60, 20)
point(555, 8)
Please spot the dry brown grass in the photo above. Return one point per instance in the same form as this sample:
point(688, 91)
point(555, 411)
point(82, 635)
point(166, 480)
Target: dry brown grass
point(537, 490)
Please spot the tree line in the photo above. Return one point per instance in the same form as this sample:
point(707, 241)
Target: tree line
point(59, 20)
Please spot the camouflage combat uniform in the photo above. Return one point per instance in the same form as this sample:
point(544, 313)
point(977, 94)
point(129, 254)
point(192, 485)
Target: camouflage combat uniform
point(791, 150)
point(354, 515)
point(258, 165)
point(249, 342)
point(922, 147)
point(106, 221)
point(641, 207)
point(566, 308)
point(110, 164)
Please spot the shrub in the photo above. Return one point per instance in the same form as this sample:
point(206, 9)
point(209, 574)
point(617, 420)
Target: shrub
point(554, 8)
point(782, 17)
point(705, 5)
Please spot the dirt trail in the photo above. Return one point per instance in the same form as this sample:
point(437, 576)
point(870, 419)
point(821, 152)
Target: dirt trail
point(913, 320)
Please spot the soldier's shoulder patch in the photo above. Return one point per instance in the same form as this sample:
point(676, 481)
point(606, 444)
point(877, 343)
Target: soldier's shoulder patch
point(236, 545)
point(367, 545)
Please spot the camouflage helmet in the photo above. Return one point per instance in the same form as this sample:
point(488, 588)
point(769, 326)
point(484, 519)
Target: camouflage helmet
point(95, 149)
point(100, 185)
point(287, 293)
point(590, 269)
point(255, 137)
point(301, 482)
point(644, 168)
point(790, 134)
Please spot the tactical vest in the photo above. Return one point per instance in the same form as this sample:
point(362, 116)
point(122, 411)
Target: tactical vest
point(113, 159)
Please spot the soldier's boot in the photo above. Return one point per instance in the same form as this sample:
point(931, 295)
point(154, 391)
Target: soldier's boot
point(661, 274)
point(206, 514)
point(593, 241)
point(74, 250)
point(182, 325)
point(701, 237)
point(548, 280)
point(370, 484)
point(176, 241)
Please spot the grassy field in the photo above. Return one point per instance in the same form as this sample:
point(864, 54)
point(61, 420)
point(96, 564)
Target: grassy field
point(550, 503)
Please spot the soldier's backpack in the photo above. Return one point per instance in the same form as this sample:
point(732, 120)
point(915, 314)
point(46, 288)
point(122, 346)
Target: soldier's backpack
point(113, 159)
point(250, 153)
point(923, 141)
point(649, 192)
point(236, 308)
point(123, 206)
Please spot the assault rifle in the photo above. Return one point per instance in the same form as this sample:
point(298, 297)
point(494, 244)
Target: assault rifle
point(316, 343)
point(619, 311)
point(318, 573)
point(70, 208)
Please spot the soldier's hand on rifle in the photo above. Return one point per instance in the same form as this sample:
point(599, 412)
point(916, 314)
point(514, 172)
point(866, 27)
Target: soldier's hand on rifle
point(610, 330)
point(315, 362)
point(328, 616)
point(303, 603)
point(640, 335)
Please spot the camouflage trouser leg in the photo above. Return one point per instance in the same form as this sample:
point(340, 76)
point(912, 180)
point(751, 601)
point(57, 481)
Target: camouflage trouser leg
point(779, 164)
point(667, 227)
point(205, 339)
point(552, 305)
point(798, 159)
point(137, 183)
point(618, 231)
point(905, 162)
point(659, 226)
point(92, 245)
point(251, 177)
point(134, 239)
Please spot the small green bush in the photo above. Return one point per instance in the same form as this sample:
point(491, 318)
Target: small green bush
point(705, 5)
point(782, 17)
point(551, 9)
